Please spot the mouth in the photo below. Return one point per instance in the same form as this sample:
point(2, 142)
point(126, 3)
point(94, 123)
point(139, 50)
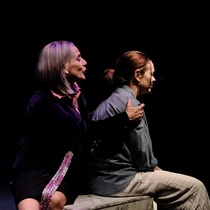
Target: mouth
point(83, 72)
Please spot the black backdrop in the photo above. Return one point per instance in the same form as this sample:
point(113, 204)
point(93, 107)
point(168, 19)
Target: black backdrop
point(174, 36)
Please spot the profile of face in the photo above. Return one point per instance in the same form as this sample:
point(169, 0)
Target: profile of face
point(147, 79)
point(76, 66)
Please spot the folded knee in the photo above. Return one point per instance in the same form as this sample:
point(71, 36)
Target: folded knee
point(57, 201)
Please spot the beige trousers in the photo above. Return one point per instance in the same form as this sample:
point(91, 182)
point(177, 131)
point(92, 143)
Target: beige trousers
point(170, 190)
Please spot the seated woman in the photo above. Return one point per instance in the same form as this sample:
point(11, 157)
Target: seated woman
point(122, 162)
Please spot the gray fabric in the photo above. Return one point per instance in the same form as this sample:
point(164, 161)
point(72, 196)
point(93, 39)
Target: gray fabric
point(91, 202)
point(111, 173)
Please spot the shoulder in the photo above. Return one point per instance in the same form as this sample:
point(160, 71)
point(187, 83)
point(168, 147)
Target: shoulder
point(40, 95)
point(41, 98)
point(113, 105)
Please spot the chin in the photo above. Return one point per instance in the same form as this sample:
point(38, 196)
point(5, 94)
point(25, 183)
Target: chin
point(82, 78)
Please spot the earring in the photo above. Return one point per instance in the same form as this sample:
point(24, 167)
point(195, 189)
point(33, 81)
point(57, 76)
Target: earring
point(66, 72)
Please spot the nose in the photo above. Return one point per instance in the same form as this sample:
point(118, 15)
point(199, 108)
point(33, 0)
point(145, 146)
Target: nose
point(84, 62)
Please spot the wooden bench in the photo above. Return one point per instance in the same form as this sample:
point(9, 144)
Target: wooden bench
point(94, 202)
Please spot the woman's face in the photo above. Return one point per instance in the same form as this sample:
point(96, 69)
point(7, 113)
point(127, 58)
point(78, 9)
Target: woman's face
point(76, 67)
point(147, 79)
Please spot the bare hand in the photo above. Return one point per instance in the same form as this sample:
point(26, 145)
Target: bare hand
point(134, 113)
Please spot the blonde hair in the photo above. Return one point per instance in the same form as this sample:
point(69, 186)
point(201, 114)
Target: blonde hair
point(51, 61)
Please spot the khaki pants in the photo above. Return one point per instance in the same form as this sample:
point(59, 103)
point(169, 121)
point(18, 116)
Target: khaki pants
point(170, 190)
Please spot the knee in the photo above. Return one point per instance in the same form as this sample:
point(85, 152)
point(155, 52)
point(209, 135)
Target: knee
point(198, 185)
point(57, 202)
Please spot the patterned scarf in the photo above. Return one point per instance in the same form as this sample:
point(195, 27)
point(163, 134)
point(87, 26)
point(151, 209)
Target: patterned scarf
point(76, 96)
point(55, 182)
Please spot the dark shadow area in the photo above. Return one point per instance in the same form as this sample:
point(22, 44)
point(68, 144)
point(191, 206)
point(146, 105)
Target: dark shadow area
point(6, 198)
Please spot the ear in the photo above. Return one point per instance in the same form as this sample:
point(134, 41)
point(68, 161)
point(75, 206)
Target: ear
point(66, 72)
point(137, 75)
point(65, 68)
point(66, 65)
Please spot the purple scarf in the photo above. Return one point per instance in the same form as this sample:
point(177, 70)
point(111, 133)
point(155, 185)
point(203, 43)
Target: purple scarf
point(55, 181)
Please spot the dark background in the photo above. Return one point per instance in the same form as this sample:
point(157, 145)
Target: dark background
point(176, 38)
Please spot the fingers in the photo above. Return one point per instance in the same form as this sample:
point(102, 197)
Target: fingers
point(141, 106)
point(134, 112)
point(129, 102)
point(140, 111)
